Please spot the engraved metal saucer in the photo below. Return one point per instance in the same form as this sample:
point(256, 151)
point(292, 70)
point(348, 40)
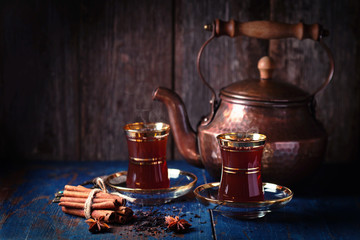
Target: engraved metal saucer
point(275, 197)
point(181, 183)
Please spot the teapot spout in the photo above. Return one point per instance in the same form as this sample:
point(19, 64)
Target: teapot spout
point(184, 135)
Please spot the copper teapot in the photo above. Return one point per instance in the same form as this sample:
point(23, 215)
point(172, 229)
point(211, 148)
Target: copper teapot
point(296, 141)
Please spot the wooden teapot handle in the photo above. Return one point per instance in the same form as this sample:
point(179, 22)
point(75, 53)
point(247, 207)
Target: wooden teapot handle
point(263, 30)
point(267, 29)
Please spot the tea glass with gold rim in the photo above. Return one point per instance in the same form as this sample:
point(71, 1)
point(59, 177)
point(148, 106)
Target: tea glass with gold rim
point(241, 166)
point(146, 143)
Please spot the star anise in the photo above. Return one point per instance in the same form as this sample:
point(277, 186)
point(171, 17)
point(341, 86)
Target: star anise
point(176, 224)
point(97, 225)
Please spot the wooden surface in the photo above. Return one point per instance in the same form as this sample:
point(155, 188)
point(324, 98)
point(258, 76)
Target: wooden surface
point(39, 80)
point(305, 64)
point(123, 57)
point(326, 208)
point(74, 72)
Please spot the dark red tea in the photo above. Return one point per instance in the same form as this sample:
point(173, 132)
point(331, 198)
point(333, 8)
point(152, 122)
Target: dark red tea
point(241, 169)
point(147, 155)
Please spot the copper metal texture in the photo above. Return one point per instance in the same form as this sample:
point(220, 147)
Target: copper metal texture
point(296, 141)
point(184, 135)
point(295, 144)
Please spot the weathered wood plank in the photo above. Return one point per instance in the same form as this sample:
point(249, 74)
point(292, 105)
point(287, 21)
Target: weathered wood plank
point(224, 61)
point(125, 52)
point(303, 218)
point(27, 212)
point(39, 97)
point(73, 73)
point(305, 64)
point(318, 210)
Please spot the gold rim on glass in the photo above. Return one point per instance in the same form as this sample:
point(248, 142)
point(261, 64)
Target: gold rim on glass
point(203, 187)
point(147, 130)
point(232, 170)
point(241, 139)
point(149, 191)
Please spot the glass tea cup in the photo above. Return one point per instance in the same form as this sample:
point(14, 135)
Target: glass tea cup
point(241, 166)
point(147, 155)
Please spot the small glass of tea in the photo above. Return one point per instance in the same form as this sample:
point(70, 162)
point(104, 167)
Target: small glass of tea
point(147, 155)
point(241, 166)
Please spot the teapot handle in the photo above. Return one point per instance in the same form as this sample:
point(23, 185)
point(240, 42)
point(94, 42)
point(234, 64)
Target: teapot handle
point(267, 29)
point(263, 30)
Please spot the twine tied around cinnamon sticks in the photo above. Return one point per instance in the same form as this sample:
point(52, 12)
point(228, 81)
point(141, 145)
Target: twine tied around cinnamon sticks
point(95, 203)
point(89, 201)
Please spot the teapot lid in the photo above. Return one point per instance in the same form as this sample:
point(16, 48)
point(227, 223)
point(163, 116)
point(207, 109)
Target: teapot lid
point(264, 91)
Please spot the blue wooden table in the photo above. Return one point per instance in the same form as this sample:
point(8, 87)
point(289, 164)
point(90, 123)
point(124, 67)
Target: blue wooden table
point(322, 209)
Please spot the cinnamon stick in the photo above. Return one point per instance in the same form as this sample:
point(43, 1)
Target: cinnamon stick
point(105, 205)
point(114, 205)
point(109, 216)
point(126, 211)
point(83, 200)
point(78, 188)
point(75, 194)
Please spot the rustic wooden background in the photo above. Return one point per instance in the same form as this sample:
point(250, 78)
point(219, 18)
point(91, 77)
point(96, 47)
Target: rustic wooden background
point(74, 72)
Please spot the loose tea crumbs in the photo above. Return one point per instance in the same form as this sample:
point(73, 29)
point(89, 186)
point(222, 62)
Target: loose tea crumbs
point(149, 221)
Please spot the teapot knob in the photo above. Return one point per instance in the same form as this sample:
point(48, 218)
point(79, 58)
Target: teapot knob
point(266, 66)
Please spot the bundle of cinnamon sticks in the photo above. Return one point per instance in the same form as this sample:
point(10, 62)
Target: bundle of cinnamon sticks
point(110, 207)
